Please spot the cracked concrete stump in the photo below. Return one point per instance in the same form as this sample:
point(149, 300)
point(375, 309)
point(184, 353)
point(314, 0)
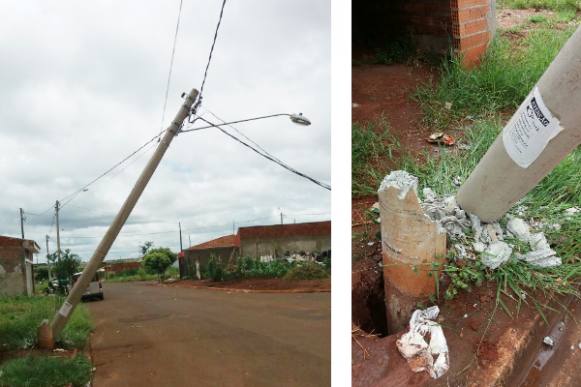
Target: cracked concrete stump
point(545, 129)
point(411, 243)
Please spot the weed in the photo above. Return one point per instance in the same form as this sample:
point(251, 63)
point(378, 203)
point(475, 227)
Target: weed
point(397, 51)
point(504, 78)
point(555, 5)
point(21, 316)
point(306, 271)
point(41, 371)
point(368, 148)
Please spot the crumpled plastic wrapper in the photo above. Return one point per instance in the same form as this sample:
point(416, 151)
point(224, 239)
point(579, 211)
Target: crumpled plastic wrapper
point(421, 355)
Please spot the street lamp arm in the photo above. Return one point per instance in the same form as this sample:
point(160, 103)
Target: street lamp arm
point(296, 118)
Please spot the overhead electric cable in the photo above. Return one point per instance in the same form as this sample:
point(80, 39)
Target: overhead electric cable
point(268, 156)
point(211, 50)
point(173, 51)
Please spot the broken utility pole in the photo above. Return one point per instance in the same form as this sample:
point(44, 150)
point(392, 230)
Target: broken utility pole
point(412, 246)
point(545, 129)
point(62, 315)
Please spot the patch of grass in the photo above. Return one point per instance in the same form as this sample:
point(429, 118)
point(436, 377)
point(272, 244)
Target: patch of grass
point(504, 78)
point(538, 19)
point(370, 146)
point(21, 316)
point(554, 5)
point(43, 371)
point(306, 271)
point(131, 275)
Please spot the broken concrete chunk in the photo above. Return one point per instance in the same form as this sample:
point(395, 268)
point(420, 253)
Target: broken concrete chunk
point(542, 258)
point(401, 180)
point(519, 228)
point(478, 247)
point(496, 254)
point(538, 241)
point(429, 195)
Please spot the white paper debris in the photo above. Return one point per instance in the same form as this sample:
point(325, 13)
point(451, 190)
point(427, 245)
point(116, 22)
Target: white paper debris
point(548, 340)
point(496, 254)
point(519, 228)
point(421, 354)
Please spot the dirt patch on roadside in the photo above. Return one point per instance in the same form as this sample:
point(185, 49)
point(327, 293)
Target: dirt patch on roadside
point(277, 284)
point(510, 18)
point(385, 91)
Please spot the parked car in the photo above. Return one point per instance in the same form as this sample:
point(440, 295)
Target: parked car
point(95, 288)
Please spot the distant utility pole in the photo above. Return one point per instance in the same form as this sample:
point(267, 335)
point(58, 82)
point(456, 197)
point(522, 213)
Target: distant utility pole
point(190, 239)
point(22, 223)
point(234, 227)
point(281, 222)
point(48, 259)
point(181, 245)
point(57, 206)
point(46, 333)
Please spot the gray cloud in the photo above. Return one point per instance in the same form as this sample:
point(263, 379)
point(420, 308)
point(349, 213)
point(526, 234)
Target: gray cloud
point(83, 86)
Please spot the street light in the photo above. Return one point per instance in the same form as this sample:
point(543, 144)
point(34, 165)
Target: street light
point(297, 118)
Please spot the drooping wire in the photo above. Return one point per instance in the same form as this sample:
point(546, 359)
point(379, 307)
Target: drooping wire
point(173, 51)
point(268, 156)
point(67, 199)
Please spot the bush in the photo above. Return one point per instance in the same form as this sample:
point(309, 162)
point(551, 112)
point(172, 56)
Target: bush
point(215, 269)
point(40, 371)
point(247, 267)
point(306, 271)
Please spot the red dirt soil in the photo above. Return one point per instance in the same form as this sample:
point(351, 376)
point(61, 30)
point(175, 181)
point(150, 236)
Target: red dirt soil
point(260, 284)
point(386, 90)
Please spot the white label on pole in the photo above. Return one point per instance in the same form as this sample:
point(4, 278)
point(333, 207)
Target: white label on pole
point(529, 130)
point(65, 309)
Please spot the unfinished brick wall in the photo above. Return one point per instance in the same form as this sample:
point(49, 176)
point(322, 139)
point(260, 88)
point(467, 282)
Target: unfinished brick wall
point(472, 28)
point(437, 27)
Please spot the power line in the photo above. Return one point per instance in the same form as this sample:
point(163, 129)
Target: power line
point(211, 51)
point(268, 156)
point(173, 51)
point(73, 195)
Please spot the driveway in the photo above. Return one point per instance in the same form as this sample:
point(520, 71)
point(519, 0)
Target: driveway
point(146, 334)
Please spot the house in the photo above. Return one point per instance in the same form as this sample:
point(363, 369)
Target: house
point(285, 240)
point(16, 266)
point(195, 258)
point(267, 243)
point(119, 265)
point(435, 27)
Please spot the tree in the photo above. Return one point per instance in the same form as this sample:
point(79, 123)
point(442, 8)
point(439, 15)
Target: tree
point(165, 251)
point(145, 247)
point(156, 263)
point(68, 265)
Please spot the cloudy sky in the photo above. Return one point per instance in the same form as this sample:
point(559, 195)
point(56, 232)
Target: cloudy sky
point(83, 85)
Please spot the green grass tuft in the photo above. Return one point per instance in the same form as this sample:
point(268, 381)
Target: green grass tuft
point(44, 371)
point(554, 5)
point(500, 83)
point(21, 316)
point(370, 146)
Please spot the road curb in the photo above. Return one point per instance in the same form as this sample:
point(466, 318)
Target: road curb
point(236, 290)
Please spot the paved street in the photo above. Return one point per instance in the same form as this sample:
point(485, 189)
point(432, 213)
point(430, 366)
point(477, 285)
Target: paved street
point(171, 336)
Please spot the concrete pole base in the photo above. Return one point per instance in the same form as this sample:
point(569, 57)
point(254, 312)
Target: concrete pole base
point(411, 244)
point(45, 337)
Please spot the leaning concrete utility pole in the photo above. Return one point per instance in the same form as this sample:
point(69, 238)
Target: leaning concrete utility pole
point(22, 223)
point(57, 207)
point(545, 129)
point(61, 317)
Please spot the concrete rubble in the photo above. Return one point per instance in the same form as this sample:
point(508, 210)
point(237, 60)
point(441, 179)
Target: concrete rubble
point(470, 238)
point(421, 355)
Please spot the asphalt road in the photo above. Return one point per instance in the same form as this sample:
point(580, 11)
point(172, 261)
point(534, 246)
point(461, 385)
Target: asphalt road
point(149, 335)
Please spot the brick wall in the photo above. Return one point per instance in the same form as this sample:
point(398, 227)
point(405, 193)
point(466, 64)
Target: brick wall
point(433, 26)
point(472, 28)
point(13, 269)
